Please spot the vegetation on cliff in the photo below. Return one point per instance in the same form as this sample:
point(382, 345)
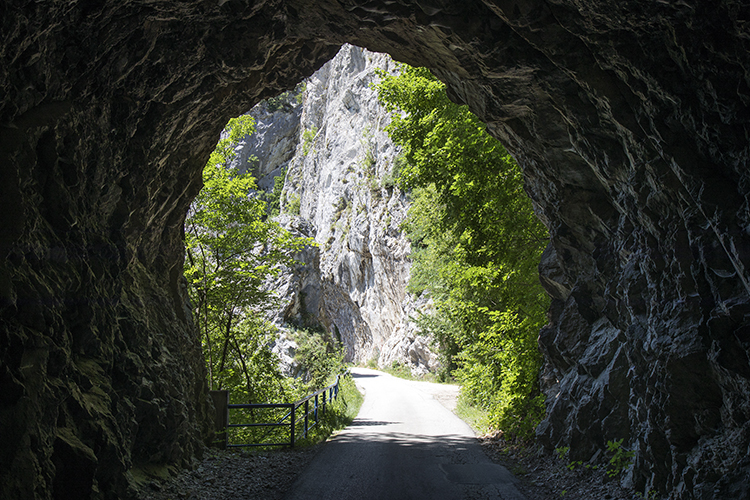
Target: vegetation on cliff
point(232, 250)
point(476, 245)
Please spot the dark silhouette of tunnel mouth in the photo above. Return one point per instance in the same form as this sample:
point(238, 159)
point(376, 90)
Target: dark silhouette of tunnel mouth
point(628, 156)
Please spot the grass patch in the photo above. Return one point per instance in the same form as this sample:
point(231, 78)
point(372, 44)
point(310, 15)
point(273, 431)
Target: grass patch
point(403, 371)
point(477, 418)
point(338, 415)
point(399, 370)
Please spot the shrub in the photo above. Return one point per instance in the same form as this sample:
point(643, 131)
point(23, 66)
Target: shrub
point(308, 136)
point(293, 204)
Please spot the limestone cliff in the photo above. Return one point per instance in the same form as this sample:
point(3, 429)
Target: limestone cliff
point(339, 190)
point(629, 118)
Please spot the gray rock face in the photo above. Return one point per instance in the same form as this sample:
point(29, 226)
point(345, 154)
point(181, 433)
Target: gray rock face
point(339, 160)
point(267, 151)
point(629, 118)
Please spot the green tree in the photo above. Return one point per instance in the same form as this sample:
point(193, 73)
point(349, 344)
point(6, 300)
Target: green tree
point(476, 245)
point(274, 197)
point(232, 248)
point(319, 357)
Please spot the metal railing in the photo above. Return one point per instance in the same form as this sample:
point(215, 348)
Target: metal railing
point(320, 399)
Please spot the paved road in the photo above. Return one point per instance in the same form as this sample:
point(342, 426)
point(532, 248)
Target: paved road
point(404, 444)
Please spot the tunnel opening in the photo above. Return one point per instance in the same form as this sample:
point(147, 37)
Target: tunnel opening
point(628, 119)
point(327, 157)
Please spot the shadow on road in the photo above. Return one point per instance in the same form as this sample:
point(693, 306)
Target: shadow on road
point(362, 422)
point(372, 465)
point(433, 445)
point(403, 445)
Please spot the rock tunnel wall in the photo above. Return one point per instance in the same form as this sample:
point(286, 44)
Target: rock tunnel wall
point(629, 118)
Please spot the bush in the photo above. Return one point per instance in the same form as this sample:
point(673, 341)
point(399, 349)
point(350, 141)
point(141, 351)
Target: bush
point(338, 414)
point(308, 136)
point(318, 356)
point(293, 204)
point(274, 198)
point(476, 245)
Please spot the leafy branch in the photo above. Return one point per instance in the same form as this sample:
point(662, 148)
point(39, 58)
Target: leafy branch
point(476, 246)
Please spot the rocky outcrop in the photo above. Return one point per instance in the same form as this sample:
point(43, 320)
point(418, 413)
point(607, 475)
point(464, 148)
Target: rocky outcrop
point(629, 118)
point(339, 190)
point(270, 148)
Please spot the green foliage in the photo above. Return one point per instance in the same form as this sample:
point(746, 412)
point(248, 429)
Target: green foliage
point(308, 136)
point(301, 88)
point(279, 103)
point(575, 463)
point(274, 198)
point(352, 398)
point(319, 357)
point(231, 249)
point(400, 370)
point(387, 221)
point(477, 417)
point(286, 100)
point(339, 206)
point(368, 162)
point(650, 495)
point(293, 204)
point(620, 459)
point(338, 415)
point(390, 178)
point(562, 451)
point(476, 245)
point(367, 166)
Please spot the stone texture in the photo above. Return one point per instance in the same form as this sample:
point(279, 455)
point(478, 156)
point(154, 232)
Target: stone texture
point(338, 159)
point(272, 146)
point(629, 118)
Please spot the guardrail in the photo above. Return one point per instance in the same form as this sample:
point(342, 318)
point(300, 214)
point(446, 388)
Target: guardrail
point(319, 398)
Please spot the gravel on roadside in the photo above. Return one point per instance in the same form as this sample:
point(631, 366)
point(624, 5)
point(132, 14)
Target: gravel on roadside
point(225, 475)
point(545, 477)
point(231, 474)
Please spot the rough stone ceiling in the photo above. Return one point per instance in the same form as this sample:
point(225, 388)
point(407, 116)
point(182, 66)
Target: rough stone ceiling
point(630, 120)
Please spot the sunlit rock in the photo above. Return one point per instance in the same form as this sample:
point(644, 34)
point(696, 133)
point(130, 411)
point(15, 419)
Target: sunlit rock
point(629, 118)
point(340, 168)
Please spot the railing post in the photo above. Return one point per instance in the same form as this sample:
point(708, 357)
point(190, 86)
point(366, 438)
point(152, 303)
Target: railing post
point(221, 417)
point(324, 403)
point(316, 408)
point(291, 433)
point(307, 409)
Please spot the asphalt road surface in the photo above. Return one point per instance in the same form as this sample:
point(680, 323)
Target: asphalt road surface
point(404, 444)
